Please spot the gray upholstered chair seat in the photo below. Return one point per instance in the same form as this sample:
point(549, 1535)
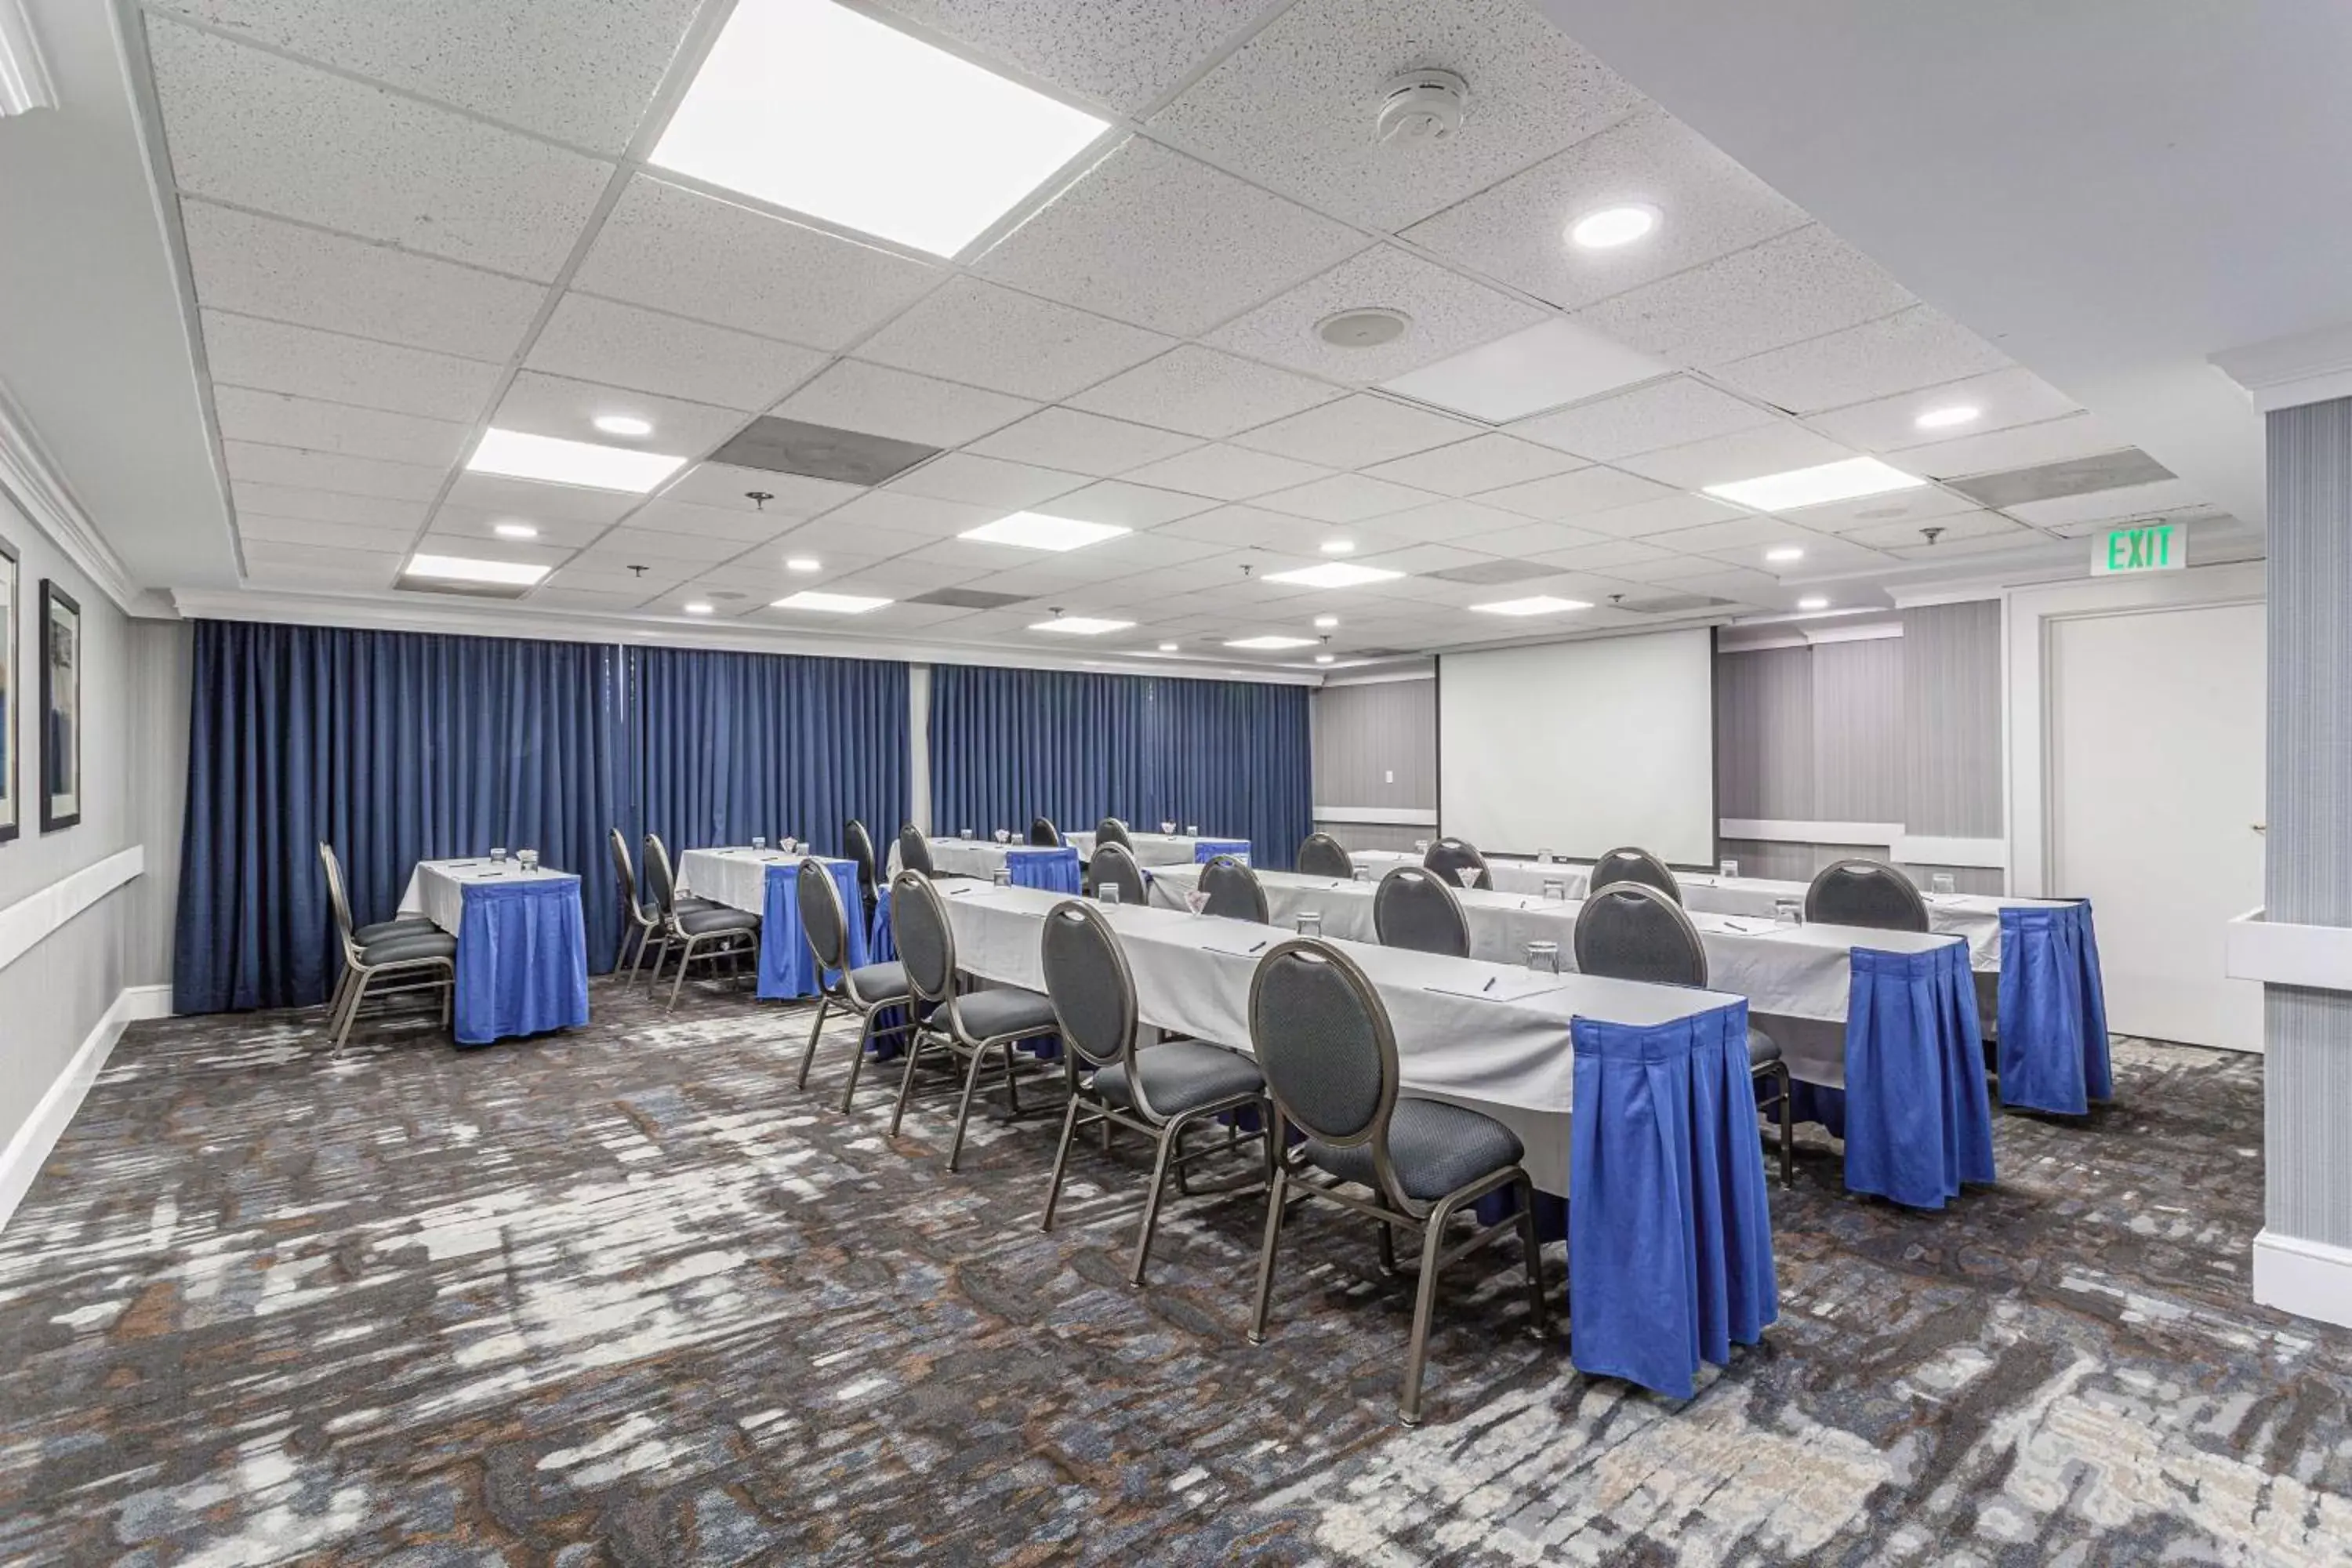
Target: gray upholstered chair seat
point(1181, 1076)
point(1003, 1010)
point(407, 925)
point(1761, 1048)
point(408, 948)
point(715, 921)
point(1436, 1148)
point(875, 983)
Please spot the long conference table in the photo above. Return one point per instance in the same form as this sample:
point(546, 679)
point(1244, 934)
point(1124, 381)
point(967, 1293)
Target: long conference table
point(2041, 955)
point(1649, 1112)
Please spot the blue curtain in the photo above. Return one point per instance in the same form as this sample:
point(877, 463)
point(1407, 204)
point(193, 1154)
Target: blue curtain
point(1231, 757)
point(728, 745)
point(394, 747)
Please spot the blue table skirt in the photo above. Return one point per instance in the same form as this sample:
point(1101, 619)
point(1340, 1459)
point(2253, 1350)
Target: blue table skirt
point(1207, 850)
point(1055, 870)
point(787, 967)
point(1669, 1225)
point(522, 959)
point(2054, 1011)
point(881, 945)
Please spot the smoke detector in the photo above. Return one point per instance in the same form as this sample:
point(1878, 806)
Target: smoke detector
point(1364, 329)
point(1421, 106)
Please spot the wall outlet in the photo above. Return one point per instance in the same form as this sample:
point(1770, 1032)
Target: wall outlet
point(1389, 776)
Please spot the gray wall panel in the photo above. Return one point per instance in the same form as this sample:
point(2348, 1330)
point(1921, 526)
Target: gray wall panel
point(1858, 732)
point(1951, 748)
point(1763, 734)
point(1363, 733)
point(1374, 835)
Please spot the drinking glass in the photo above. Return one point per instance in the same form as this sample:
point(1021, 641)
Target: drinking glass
point(1787, 912)
point(1730, 868)
point(1421, 846)
point(1555, 890)
point(498, 854)
point(1192, 830)
point(1543, 957)
point(963, 833)
point(1004, 836)
point(1543, 857)
point(1196, 901)
point(1166, 827)
point(1360, 873)
point(1942, 883)
point(1001, 876)
point(759, 841)
point(1309, 922)
point(1106, 891)
point(530, 858)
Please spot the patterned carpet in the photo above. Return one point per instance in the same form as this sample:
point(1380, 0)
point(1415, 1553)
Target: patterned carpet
point(626, 1296)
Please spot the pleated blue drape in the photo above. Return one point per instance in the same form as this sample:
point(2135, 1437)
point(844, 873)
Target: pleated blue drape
point(394, 747)
point(728, 745)
point(1232, 757)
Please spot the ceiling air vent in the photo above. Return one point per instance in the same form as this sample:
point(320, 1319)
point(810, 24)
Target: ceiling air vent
point(969, 598)
point(464, 590)
point(2054, 482)
point(782, 445)
point(1669, 603)
point(1488, 572)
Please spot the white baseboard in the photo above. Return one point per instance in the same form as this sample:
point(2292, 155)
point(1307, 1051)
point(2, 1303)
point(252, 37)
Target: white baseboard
point(2309, 1278)
point(29, 1148)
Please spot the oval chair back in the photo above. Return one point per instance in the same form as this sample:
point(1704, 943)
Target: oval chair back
point(822, 919)
point(1043, 834)
point(1861, 892)
point(1632, 864)
point(1233, 890)
point(1092, 989)
point(1111, 830)
point(1324, 1042)
point(1630, 931)
point(660, 882)
point(1414, 909)
point(914, 850)
point(337, 899)
point(1114, 864)
point(860, 844)
point(1320, 856)
point(1449, 857)
point(919, 921)
point(625, 875)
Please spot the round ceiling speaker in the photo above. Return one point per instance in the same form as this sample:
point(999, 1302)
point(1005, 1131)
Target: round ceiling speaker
point(1365, 329)
point(1421, 106)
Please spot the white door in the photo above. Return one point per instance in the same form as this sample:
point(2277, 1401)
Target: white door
point(2155, 765)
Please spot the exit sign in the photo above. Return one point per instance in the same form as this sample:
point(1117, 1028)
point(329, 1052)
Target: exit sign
point(2149, 547)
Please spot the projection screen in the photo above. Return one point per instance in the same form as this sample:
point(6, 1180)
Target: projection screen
point(1581, 747)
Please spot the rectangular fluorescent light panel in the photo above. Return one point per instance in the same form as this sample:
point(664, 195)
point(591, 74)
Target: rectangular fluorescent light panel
point(1541, 605)
point(815, 108)
point(1081, 625)
point(1817, 485)
point(558, 462)
point(1333, 574)
point(831, 604)
point(1035, 531)
point(466, 569)
point(1528, 372)
point(1269, 644)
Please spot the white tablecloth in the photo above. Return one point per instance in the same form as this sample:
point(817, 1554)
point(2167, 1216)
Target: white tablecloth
point(965, 857)
point(1150, 848)
point(436, 889)
point(735, 877)
point(1503, 1050)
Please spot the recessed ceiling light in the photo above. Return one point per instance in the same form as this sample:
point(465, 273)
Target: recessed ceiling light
point(918, 146)
point(1325, 623)
point(1364, 329)
point(802, 564)
point(1613, 226)
point(1333, 574)
point(697, 607)
point(1785, 552)
point(1812, 602)
point(1168, 648)
point(1036, 530)
point(1540, 605)
point(1324, 657)
point(1269, 644)
point(624, 425)
point(1339, 547)
point(1945, 419)
point(1081, 625)
point(1817, 485)
point(466, 569)
point(831, 604)
point(557, 462)
point(514, 530)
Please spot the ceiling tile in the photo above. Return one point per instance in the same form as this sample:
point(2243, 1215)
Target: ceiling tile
point(255, 527)
point(596, 339)
point(697, 256)
point(1126, 504)
point(1911, 507)
point(1130, 554)
point(1203, 393)
point(1482, 463)
point(1357, 432)
point(2022, 446)
point(1248, 527)
point(271, 562)
point(291, 466)
point(327, 506)
point(1666, 413)
point(1121, 57)
point(2099, 506)
point(747, 528)
point(530, 502)
point(267, 133)
point(543, 404)
point(1709, 206)
point(835, 535)
point(314, 426)
point(2006, 398)
point(986, 482)
point(724, 485)
point(1652, 518)
point(852, 395)
point(1293, 108)
point(1081, 443)
point(1957, 527)
point(1529, 539)
point(589, 600)
point(1344, 497)
point(1824, 555)
point(1913, 348)
point(1548, 365)
point(1228, 473)
point(900, 512)
point(2205, 524)
point(1729, 534)
point(259, 267)
point(982, 335)
point(468, 523)
point(660, 550)
point(1416, 560)
point(1979, 541)
point(529, 553)
point(273, 356)
point(1606, 556)
point(610, 575)
point(1151, 237)
point(1798, 286)
point(1447, 520)
point(1448, 314)
point(1570, 498)
point(583, 71)
point(1750, 454)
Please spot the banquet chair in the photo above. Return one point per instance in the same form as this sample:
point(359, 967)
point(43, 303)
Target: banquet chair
point(1449, 857)
point(1235, 891)
point(865, 991)
point(1859, 891)
point(968, 1024)
point(1162, 1092)
point(1630, 931)
point(1413, 908)
point(1043, 834)
point(914, 850)
point(1324, 1041)
point(1114, 864)
point(1111, 830)
point(711, 933)
point(1632, 864)
point(413, 954)
point(1321, 855)
point(860, 846)
point(639, 922)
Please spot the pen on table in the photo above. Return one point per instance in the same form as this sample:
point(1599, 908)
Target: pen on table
point(1253, 947)
point(1489, 985)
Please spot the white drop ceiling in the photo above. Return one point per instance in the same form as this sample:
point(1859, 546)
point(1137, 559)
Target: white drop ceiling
point(406, 225)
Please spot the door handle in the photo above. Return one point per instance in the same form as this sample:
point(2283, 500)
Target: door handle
point(2263, 827)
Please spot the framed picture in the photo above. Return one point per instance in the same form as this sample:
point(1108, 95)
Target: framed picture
point(11, 815)
point(61, 707)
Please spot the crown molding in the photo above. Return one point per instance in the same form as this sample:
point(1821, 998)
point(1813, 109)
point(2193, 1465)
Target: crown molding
point(2289, 372)
point(29, 477)
point(24, 83)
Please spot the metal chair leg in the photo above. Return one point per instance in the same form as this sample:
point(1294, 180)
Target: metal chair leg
point(1012, 1083)
point(963, 1111)
point(1276, 1195)
point(824, 1003)
point(1388, 1247)
point(906, 1083)
point(351, 1009)
point(1534, 1250)
point(1788, 1127)
point(685, 958)
point(857, 1061)
point(1061, 1162)
point(449, 997)
point(1424, 1302)
point(621, 954)
point(1167, 1140)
